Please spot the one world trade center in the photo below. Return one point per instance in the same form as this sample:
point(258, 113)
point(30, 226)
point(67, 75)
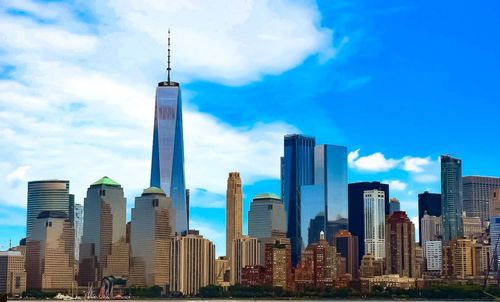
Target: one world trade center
point(167, 163)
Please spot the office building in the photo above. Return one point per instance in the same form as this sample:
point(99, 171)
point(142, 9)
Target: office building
point(477, 192)
point(278, 264)
point(429, 203)
point(104, 250)
point(78, 224)
point(193, 263)
point(394, 206)
point(430, 229)
point(46, 195)
point(473, 227)
point(245, 251)
point(276, 238)
point(357, 209)
point(400, 246)
point(167, 162)
point(371, 267)
point(330, 172)
point(463, 258)
point(495, 241)
point(266, 215)
point(374, 203)
point(151, 231)
point(50, 253)
point(312, 213)
point(451, 198)
point(483, 257)
point(494, 203)
point(222, 271)
point(297, 170)
point(12, 273)
point(234, 210)
point(347, 246)
point(434, 255)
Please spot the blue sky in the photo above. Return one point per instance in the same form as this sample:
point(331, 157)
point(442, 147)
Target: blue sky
point(398, 82)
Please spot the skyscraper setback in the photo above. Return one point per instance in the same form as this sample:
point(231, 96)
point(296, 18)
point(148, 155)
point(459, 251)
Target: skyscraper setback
point(167, 163)
point(234, 210)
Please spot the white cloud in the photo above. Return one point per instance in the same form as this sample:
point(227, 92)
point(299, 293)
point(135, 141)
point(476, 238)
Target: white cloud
point(396, 185)
point(20, 174)
point(375, 162)
point(415, 164)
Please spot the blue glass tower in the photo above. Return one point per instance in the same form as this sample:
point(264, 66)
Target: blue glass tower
point(297, 170)
point(451, 198)
point(167, 163)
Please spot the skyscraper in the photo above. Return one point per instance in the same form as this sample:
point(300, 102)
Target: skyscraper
point(434, 255)
point(347, 245)
point(312, 213)
point(245, 251)
point(167, 163)
point(357, 209)
point(104, 250)
point(78, 224)
point(375, 223)
point(451, 197)
point(430, 229)
point(394, 206)
point(400, 246)
point(193, 263)
point(278, 263)
point(234, 210)
point(494, 203)
point(477, 193)
point(297, 170)
point(151, 233)
point(429, 203)
point(330, 171)
point(46, 195)
point(50, 253)
point(495, 242)
point(266, 214)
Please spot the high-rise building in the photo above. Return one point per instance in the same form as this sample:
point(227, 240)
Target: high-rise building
point(374, 223)
point(104, 250)
point(430, 229)
point(451, 197)
point(297, 170)
point(312, 213)
point(394, 206)
point(245, 251)
point(434, 255)
point(463, 257)
point(473, 227)
point(429, 203)
point(483, 257)
point(495, 241)
point(12, 273)
point(278, 264)
point(193, 263)
point(477, 192)
point(46, 195)
point(78, 224)
point(330, 172)
point(222, 271)
point(151, 231)
point(50, 253)
point(495, 203)
point(357, 209)
point(400, 246)
point(234, 210)
point(266, 215)
point(167, 162)
point(347, 246)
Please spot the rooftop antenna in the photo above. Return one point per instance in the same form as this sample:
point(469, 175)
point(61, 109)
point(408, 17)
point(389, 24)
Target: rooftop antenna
point(10, 244)
point(168, 59)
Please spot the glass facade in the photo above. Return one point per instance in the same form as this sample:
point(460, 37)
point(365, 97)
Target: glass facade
point(313, 220)
point(167, 164)
point(430, 203)
point(451, 197)
point(330, 171)
point(297, 169)
point(374, 223)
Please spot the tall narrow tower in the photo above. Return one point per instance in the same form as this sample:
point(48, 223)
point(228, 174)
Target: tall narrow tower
point(233, 210)
point(167, 163)
point(451, 198)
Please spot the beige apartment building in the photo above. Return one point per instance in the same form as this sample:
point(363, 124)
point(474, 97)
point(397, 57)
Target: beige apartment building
point(12, 273)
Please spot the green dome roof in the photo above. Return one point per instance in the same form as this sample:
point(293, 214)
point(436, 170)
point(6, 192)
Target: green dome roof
point(153, 190)
point(105, 181)
point(267, 196)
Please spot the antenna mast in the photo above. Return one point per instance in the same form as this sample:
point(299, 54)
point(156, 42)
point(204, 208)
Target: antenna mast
point(168, 59)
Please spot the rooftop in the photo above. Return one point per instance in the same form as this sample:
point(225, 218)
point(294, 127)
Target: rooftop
point(105, 181)
point(153, 190)
point(266, 196)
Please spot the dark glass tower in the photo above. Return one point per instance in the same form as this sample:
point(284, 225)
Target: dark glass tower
point(430, 202)
point(297, 167)
point(451, 197)
point(357, 209)
point(167, 163)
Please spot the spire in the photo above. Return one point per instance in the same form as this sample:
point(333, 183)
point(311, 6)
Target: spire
point(168, 59)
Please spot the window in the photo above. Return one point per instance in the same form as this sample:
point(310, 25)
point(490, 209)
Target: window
point(18, 282)
point(155, 203)
point(102, 192)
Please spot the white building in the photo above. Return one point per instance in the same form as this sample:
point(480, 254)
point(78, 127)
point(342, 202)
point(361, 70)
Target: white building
point(374, 201)
point(434, 252)
point(430, 229)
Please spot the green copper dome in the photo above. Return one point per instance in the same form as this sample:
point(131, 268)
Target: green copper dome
point(105, 181)
point(153, 190)
point(267, 196)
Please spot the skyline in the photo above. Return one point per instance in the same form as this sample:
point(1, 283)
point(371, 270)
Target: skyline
point(32, 122)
